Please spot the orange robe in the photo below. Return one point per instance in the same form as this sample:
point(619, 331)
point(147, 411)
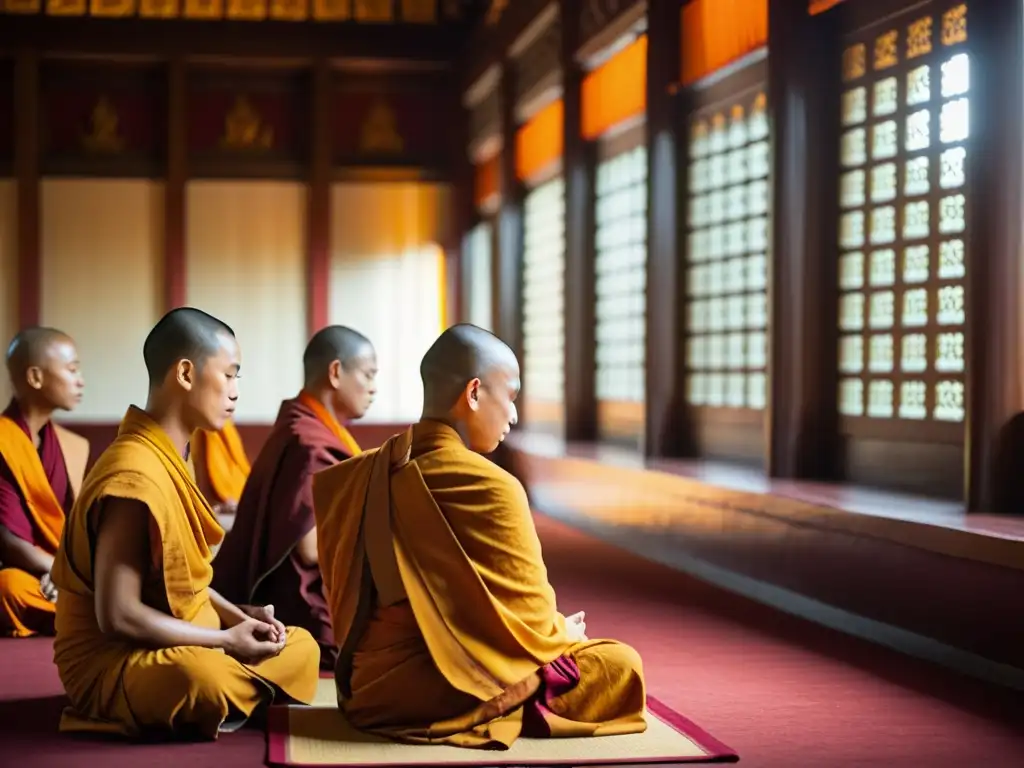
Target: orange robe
point(118, 687)
point(446, 622)
point(221, 466)
point(36, 489)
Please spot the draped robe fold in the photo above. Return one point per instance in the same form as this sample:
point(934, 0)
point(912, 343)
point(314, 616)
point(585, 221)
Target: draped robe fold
point(257, 563)
point(37, 489)
point(116, 686)
point(221, 466)
point(446, 622)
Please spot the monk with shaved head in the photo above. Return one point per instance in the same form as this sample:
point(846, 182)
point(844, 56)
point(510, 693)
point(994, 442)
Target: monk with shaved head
point(447, 625)
point(41, 471)
point(143, 644)
point(270, 555)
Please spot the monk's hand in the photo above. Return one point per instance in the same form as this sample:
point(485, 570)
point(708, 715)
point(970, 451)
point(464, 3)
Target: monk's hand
point(266, 613)
point(252, 641)
point(576, 627)
point(48, 588)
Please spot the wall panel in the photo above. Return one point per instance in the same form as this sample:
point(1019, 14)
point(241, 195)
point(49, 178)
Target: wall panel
point(8, 273)
point(246, 264)
point(387, 280)
point(102, 245)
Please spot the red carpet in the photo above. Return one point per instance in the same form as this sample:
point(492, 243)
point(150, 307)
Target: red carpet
point(778, 690)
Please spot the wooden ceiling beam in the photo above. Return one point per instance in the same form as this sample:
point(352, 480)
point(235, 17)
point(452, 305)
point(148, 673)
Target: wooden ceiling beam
point(268, 40)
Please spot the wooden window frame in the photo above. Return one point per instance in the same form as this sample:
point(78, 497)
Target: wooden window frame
point(735, 434)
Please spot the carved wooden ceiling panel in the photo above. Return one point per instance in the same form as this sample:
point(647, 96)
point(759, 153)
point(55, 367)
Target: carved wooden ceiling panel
point(485, 117)
point(353, 11)
point(542, 57)
point(597, 14)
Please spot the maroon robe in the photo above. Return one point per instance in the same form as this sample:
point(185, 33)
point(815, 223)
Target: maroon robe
point(257, 564)
point(13, 516)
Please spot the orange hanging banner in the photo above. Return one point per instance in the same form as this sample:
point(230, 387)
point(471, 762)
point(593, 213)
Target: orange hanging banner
point(487, 175)
point(820, 6)
point(539, 142)
point(718, 32)
point(616, 91)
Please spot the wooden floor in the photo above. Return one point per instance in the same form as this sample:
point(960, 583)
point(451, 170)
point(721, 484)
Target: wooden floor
point(919, 575)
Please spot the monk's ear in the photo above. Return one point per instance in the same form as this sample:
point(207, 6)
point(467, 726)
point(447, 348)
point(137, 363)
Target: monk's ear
point(473, 394)
point(185, 373)
point(34, 377)
point(334, 372)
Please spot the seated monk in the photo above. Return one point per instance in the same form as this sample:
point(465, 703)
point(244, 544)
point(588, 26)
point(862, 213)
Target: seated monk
point(447, 624)
point(270, 555)
point(41, 471)
point(221, 466)
point(143, 645)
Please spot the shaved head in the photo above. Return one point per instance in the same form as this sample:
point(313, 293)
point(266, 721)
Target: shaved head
point(185, 333)
point(330, 344)
point(462, 353)
point(340, 367)
point(31, 347)
point(45, 370)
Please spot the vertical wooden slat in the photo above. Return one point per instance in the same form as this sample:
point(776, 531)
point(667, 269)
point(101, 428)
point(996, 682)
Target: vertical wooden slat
point(318, 200)
point(495, 222)
point(510, 256)
point(26, 169)
point(578, 163)
point(175, 209)
point(663, 388)
point(995, 174)
point(803, 98)
point(462, 201)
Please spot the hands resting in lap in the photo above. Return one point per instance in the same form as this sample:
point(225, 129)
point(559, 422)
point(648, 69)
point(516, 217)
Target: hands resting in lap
point(258, 637)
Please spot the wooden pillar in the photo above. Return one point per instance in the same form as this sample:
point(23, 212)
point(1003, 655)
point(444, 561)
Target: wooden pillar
point(26, 171)
point(175, 207)
point(803, 97)
point(318, 200)
point(663, 390)
point(510, 220)
point(495, 220)
point(995, 174)
point(578, 164)
point(462, 203)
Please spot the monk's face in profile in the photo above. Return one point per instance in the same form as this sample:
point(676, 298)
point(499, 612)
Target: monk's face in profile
point(212, 388)
point(355, 384)
point(58, 380)
point(491, 411)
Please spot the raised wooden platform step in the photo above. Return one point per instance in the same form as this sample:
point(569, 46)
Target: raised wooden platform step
point(914, 574)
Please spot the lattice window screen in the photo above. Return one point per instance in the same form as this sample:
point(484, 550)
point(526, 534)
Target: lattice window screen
point(544, 293)
point(479, 290)
point(621, 276)
point(903, 257)
point(727, 255)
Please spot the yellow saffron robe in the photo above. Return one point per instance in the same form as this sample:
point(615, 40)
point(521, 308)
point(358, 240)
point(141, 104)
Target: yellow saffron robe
point(221, 466)
point(116, 686)
point(442, 609)
point(24, 611)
